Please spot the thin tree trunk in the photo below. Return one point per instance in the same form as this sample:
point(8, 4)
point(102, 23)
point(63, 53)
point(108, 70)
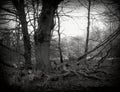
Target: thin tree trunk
point(18, 39)
point(60, 51)
point(88, 29)
point(59, 40)
point(26, 39)
point(19, 5)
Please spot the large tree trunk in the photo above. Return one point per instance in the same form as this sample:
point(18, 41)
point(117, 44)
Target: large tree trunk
point(42, 39)
point(43, 34)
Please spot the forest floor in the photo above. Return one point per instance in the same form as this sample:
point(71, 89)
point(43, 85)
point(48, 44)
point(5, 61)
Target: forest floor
point(105, 78)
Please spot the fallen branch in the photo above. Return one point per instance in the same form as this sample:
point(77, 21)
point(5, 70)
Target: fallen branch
point(68, 74)
point(94, 77)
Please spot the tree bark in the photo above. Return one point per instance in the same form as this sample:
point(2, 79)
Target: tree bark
point(19, 5)
point(26, 39)
point(42, 36)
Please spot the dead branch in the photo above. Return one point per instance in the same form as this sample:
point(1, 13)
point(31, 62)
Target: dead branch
point(109, 39)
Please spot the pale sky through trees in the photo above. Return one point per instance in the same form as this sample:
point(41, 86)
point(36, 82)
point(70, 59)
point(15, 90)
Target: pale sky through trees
point(74, 22)
point(77, 23)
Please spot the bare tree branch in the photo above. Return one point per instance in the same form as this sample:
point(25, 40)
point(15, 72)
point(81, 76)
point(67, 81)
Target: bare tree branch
point(106, 41)
point(7, 10)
